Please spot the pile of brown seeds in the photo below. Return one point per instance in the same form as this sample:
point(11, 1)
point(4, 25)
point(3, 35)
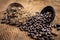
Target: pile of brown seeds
point(15, 14)
point(38, 26)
